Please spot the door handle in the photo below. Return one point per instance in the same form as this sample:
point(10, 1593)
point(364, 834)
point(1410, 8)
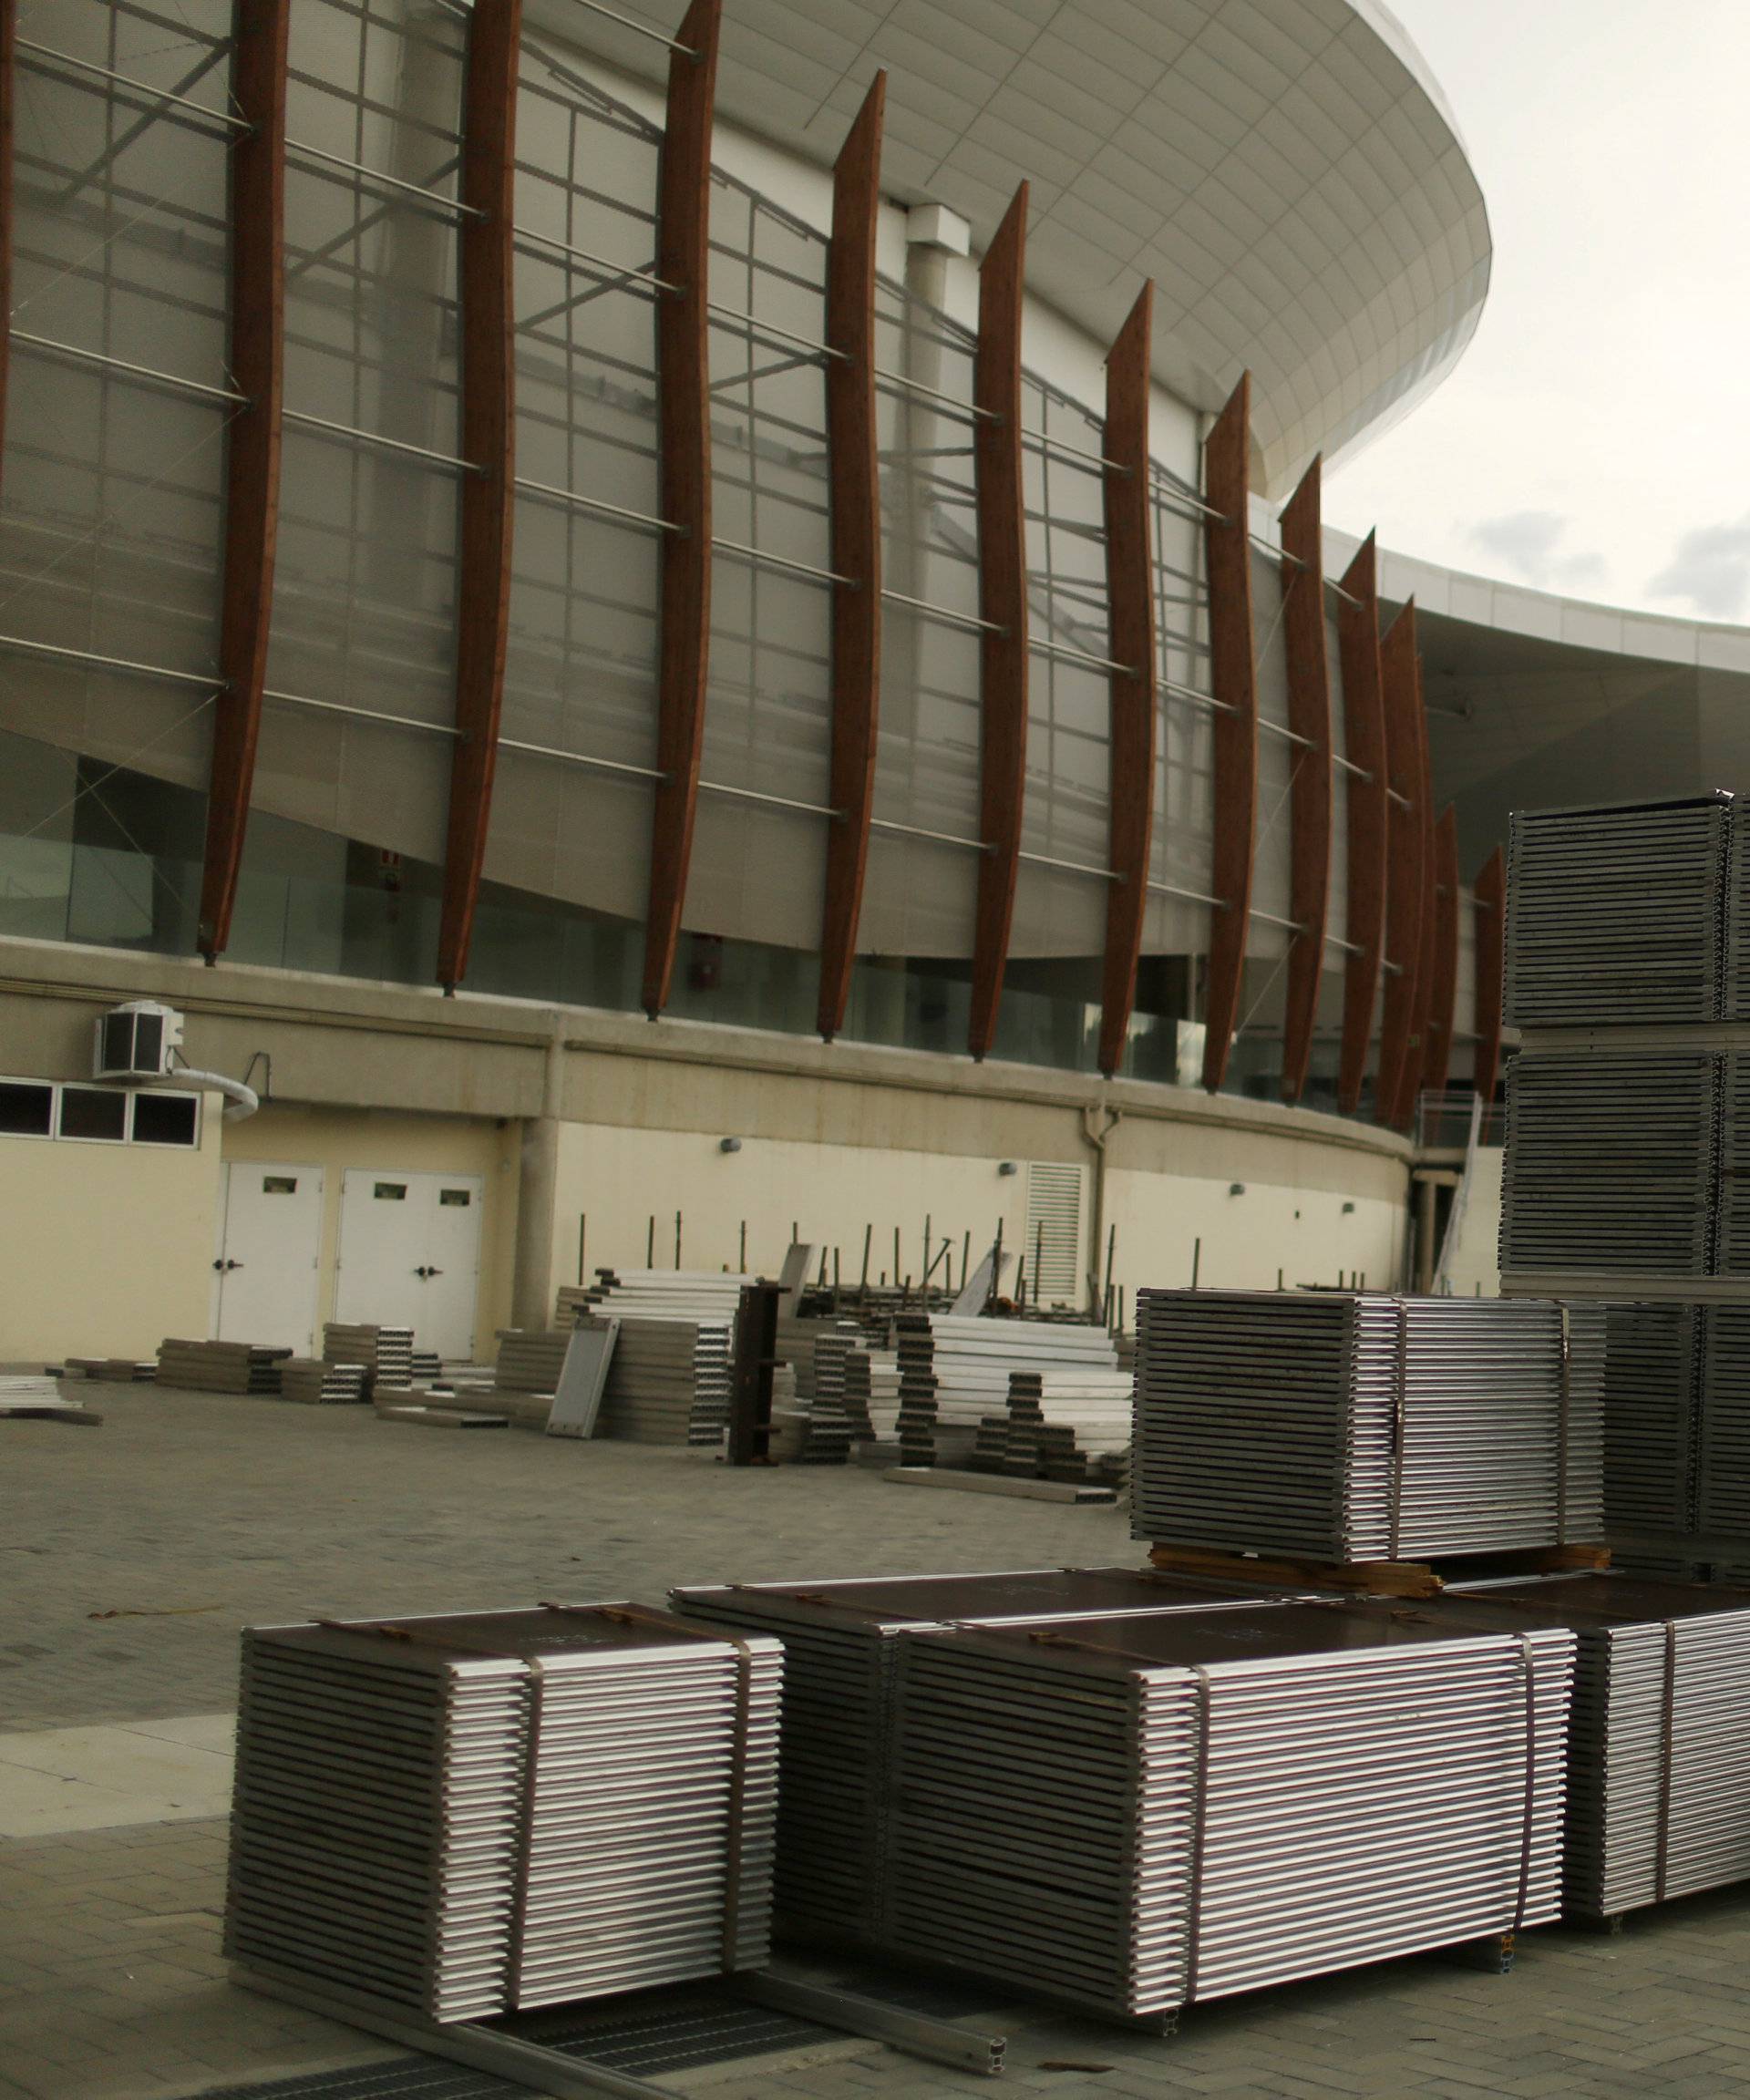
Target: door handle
point(433, 1271)
point(220, 1267)
point(234, 1264)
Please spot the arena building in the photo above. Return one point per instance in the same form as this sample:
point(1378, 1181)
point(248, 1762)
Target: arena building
point(668, 630)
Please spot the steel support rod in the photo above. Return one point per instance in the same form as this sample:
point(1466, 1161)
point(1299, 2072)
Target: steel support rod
point(144, 89)
point(148, 372)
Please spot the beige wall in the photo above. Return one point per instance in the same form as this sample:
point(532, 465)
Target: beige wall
point(831, 1137)
point(379, 1139)
point(105, 1249)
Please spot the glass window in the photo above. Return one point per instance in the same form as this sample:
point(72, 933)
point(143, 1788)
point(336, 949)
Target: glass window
point(167, 1119)
point(26, 1109)
point(98, 1113)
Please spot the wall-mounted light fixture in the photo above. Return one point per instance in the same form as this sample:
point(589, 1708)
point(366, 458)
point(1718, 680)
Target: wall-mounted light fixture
point(1009, 1167)
point(1236, 1187)
point(728, 1144)
point(1348, 1209)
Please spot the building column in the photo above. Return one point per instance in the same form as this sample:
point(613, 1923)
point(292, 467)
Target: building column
point(531, 1303)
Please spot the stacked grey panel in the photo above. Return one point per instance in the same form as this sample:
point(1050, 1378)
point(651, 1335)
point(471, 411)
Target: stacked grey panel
point(872, 1394)
point(315, 1383)
point(1137, 1813)
point(1659, 1787)
point(1652, 1381)
point(473, 1814)
point(1616, 915)
point(385, 1353)
point(839, 1642)
point(668, 1383)
point(1060, 1426)
point(954, 1370)
point(1611, 1163)
point(219, 1366)
point(1353, 1426)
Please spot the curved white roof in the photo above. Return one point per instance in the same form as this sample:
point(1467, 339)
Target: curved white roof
point(1287, 171)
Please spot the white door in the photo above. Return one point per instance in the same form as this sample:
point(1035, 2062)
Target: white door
point(269, 1247)
point(410, 1255)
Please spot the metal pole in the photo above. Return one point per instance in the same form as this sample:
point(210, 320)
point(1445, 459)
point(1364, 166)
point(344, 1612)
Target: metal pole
point(996, 1267)
point(868, 1234)
point(1197, 1260)
point(896, 1254)
point(1111, 1254)
point(583, 1221)
point(744, 1248)
point(1020, 1285)
point(677, 1240)
point(928, 1264)
point(650, 1244)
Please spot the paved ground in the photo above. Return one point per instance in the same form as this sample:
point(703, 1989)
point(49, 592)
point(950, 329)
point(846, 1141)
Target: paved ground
point(203, 1513)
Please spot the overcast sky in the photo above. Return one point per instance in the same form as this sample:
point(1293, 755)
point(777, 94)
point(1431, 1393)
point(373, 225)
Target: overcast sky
point(1595, 437)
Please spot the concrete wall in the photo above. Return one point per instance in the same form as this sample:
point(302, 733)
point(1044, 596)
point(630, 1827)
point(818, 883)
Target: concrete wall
point(335, 1139)
point(105, 1249)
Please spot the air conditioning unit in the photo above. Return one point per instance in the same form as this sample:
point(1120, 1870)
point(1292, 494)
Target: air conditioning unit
point(135, 1042)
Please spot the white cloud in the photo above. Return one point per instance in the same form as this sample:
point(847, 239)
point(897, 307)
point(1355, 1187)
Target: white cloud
point(1711, 569)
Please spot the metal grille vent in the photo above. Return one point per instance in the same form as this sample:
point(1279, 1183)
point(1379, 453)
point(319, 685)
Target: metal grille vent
point(1054, 1232)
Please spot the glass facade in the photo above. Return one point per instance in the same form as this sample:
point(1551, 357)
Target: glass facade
point(111, 546)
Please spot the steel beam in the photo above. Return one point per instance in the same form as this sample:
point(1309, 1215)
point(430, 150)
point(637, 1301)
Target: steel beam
point(1401, 684)
point(1490, 892)
point(488, 438)
point(1310, 783)
point(683, 439)
point(1443, 1005)
point(257, 366)
point(1364, 736)
point(1002, 605)
point(854, 512)
point(1233, 681)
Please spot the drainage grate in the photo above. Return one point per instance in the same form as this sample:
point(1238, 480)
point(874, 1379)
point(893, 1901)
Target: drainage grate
point(643, 2038)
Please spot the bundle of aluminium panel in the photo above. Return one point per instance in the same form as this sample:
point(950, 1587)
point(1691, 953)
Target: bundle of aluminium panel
point(475, 1813)
point(1136, 1813)
point(954, 1370)
point(1352, 1426)
point(1616, 915)
point(840, 1649)
point(1659, 1786)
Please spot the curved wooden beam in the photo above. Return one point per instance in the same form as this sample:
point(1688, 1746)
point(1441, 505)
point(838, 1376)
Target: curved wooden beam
point(257, 361)
point(1417, 1057)
point(1443, 1005)
point(1490, 891)
point(1308, 716)
point(1364, 736)
point(1401, 684)
point(488, 424)
point(1002, 605)
point(1227, 489)
point(854, 512)
point(684, 440)
point(1130, 612)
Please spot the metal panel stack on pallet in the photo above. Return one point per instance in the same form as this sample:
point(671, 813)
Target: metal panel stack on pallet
point(474, 1814)
point(841, 1651)
point(527, 1374)
point(1659, 1755)
point(221, 1367)
point(1627, 1175)
point(669, 1380)
point(1358, 1429)
point(954, 1370)
point(1325, 1787)
point(111, 1369)
point(873, 1395)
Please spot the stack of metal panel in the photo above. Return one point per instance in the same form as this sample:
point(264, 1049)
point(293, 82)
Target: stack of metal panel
point(668, 1383)
point(1653, 1380)
point(315, 1382)
point(219, 1366)
point(872, 1394)
point(384, 1353)
point(839, 1642)
point(954, 1370)
point(1659, 1750)
point(1353, 1426)
point(1616, 915)
point(1060, 1427)
point(1611, 1163)
point(475, 1813)
point(1326, 1786)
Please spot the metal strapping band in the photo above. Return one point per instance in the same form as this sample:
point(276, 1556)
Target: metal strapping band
point(1527, 1658)
point(1562, 1425)
point(1200, 1829)
point(525, 1841)
point(1667, 1732)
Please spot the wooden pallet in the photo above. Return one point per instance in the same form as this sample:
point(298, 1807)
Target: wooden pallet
point(1377, 1577)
